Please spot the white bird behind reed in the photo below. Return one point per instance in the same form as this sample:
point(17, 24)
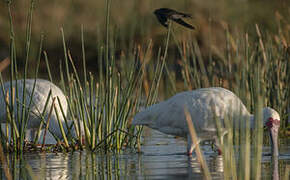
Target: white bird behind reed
point(204, 105)
point(39, 98)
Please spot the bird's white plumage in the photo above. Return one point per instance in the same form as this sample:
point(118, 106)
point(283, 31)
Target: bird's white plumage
point(204, 105)
point(39, 97)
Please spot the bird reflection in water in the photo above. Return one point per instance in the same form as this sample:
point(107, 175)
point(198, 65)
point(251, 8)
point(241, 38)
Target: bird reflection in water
point(215, 163)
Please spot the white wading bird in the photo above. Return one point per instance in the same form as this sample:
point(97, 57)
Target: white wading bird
point(40, 95)
point(204, 105)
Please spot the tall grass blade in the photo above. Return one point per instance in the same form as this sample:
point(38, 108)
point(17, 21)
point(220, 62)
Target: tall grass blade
point(196, 141)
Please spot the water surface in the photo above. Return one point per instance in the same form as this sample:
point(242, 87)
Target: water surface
point(162, 157)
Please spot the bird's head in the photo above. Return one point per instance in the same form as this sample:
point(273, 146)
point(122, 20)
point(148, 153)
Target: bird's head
point(164, 12)
point(156, 11)
point(271, 118)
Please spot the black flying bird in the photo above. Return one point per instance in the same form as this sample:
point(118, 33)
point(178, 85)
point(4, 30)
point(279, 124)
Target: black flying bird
point(163, 14)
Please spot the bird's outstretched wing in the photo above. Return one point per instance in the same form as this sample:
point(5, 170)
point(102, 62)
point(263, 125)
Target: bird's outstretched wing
point(163, 14)
point(183, 23)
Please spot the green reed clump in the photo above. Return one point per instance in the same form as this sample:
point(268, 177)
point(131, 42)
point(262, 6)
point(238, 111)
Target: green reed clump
point(100, 108)
point(103, 107)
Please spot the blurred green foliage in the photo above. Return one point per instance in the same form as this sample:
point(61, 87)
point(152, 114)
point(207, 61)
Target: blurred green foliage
point(132, 23)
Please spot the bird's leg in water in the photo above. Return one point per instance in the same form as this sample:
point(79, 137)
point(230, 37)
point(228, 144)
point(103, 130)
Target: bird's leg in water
point(191, 145)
